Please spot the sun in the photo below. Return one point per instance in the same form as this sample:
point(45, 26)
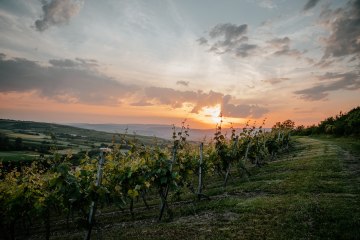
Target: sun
point(211, 113)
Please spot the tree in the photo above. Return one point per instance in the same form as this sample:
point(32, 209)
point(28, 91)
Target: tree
point(18, 143)
point(287, 124)
point(4, 142)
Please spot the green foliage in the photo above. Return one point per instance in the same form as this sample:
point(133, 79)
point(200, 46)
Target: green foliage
point(341, 125)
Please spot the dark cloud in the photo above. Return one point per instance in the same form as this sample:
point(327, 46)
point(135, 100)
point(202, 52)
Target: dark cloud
point(142, 103)
point(279, 42)
point(202, 41)
point(245, 49)
point(230, 32)
point(63, 80)
point(87, 62)
point(286, 51)
point(231, 38)
point(354, 58)
point(337, 81)
point(64, 63)
point(344, 24)
point(171, 97)
point(324, 63)
point(276, 80)
point(57, 12)
point(184, 83)
point(281, 47)
point(199, 99)
point(310, 4)
point(79, 62)
point(331, 75)
point(228, 38)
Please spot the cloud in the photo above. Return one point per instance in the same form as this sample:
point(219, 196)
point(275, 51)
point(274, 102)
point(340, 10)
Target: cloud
point(199, 100)
point(64, 63)
point(183, 83)
point(57, 12)
point(78, 81)
point(230, 32)
point(310, 4)
point(279, 42)
point(245, 49)
point(324, 63)
point(202, 41)
point(344, 38)
point(228, 38)
point(276, 80)
point(87, 62)
point(171, 97)
point(206, 99)
point(231, 39)
point(338, 81)
point(266, 4)
point(286, 51)
point(141, 103)
point(281, 47)
point(79, 62)
point(241, 110)
point(2, 56)
point(64, 80)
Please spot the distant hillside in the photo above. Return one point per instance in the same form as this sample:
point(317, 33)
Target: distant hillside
point(104, 132)
point(98, 135)
point(158, 130)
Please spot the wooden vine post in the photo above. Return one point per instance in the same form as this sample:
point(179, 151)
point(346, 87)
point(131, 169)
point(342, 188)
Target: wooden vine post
point(200, 170)
point(164, 194)
point(247, 151)
point(97, 184)
point(229, 166)
point(200, 186)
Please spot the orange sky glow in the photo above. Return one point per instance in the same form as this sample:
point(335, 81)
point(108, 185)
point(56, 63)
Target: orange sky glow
point(29, 106)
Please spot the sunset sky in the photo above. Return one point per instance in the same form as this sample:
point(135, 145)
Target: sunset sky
point(161, 61)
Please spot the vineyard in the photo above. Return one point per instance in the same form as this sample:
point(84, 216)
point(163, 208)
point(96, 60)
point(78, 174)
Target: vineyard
point(53, 197)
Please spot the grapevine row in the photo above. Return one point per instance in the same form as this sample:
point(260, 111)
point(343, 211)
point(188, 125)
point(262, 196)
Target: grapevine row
point(53, 187)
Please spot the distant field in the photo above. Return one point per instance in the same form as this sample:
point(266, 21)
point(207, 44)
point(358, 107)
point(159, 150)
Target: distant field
point(30, 137)
point(18, 155)
point(35, 137)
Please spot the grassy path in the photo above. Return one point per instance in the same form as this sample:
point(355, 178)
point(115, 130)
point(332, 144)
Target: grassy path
point(311, 193)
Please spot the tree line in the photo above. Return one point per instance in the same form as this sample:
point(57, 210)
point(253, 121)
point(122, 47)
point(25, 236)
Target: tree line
point(343, 124)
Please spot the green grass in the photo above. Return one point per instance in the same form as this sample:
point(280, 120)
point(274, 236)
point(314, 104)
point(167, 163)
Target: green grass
point(351, 144)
